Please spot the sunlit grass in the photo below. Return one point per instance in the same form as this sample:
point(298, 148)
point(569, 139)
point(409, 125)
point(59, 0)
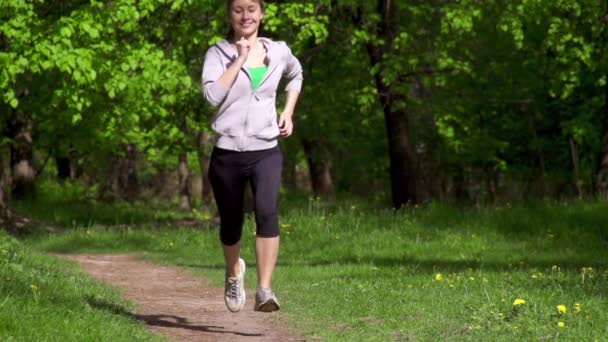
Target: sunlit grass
point(350, 272)
point(44, 298)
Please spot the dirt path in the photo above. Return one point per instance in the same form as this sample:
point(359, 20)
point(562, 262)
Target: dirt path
point(179, 305)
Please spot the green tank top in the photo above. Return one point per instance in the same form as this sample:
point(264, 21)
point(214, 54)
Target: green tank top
point(257, 74)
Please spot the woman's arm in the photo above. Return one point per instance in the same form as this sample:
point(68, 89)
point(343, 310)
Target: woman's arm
point(286, 118)
point(216, 81)
point(293, 73)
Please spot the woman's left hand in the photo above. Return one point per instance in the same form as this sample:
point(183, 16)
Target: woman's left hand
point(285, 125)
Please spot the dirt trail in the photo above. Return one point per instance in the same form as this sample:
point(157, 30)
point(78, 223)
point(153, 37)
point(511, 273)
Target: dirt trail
point(179, 305)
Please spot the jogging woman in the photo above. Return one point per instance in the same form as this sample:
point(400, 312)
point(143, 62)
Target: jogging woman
point(240, 78)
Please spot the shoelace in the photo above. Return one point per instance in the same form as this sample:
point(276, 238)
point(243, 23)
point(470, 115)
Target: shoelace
point(233, 288)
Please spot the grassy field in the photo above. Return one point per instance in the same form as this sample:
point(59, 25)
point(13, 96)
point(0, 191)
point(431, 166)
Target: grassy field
point(47, 299)
point(350, 272)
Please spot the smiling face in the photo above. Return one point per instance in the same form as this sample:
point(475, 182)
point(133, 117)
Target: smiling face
point(245, 17)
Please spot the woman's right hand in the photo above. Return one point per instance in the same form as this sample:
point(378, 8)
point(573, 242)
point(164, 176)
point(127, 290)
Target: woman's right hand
point(243, 47)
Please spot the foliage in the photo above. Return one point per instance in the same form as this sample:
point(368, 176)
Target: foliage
point(498, 88)
point(526, 76)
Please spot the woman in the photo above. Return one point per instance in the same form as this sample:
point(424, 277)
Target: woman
point(240, 78)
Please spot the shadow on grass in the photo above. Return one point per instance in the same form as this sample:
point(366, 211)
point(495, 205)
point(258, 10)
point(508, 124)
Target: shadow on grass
point(205, 267)
point(162, 320)
point(429, 266)
point(432, 265)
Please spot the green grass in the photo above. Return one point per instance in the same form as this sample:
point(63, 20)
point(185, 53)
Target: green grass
point(349, 272)
point(43, 298)
point(69, 205)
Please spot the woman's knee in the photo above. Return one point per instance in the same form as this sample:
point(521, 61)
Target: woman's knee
point(267, 223)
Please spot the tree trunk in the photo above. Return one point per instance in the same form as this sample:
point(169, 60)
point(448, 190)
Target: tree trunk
point(539, 154)
point(185, 199)
point(402, 158)
point(128, 174)
point(5, 215)
point(601, 178)
point(22, 155)
point(121, 182)
point(460, 186)
point(401, 151)
point(575, 168)
point(204, 139)
point(429, 170)
point(317, 157)
point(601, 182)
point(64, 169)
point(290, 174)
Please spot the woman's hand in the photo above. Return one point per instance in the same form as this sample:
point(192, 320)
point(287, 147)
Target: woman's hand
point(243, 46)
point(285, 125)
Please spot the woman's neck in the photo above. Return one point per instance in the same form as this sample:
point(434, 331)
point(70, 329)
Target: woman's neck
point(252, 38)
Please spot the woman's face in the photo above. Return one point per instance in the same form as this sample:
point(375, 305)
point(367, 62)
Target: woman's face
point(245, 17)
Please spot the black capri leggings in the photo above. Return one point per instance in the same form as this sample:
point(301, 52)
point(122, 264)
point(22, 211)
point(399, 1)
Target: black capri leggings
point(229, 173)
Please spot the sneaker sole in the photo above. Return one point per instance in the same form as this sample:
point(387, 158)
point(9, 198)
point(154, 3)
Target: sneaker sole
point(269, 306)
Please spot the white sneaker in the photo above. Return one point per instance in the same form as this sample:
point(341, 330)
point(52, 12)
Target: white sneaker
point(234, 289)
point(265, 300)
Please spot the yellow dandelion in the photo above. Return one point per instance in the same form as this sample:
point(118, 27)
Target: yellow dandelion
point(34, 287)
point(577, 307)
point(561, 309)
point(519, 301)
point(561, 324)
point(438, 277)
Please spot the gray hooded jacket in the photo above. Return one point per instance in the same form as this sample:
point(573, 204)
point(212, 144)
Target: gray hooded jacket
point(246, 119)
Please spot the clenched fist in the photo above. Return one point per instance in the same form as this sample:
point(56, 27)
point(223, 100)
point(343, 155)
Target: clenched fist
point(243, 46)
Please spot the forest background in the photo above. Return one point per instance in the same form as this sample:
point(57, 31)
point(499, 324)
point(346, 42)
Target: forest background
point(404, 102)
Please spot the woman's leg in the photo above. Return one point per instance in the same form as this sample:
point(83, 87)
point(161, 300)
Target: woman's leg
point(265, 184)
point(228, 182)
point(267, 252)
point(231, 258)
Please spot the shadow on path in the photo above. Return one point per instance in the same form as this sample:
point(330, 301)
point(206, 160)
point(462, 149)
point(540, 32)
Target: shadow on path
point(161, 320)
